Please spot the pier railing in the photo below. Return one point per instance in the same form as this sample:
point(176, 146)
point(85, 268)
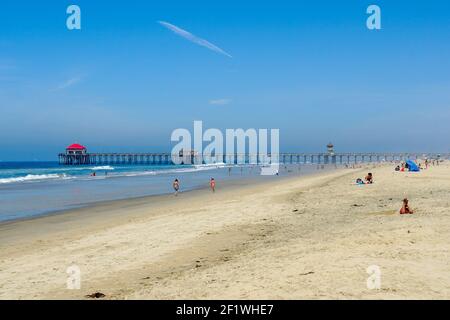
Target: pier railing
point(282, 158)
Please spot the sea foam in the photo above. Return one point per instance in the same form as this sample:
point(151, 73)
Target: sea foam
point(103, 168)
point(34, 177)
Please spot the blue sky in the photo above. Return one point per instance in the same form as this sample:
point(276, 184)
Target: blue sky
point(310, 68)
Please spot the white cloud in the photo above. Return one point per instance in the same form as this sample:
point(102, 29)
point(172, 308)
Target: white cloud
point(190, 37)
point(220, 102)
point(68, 83)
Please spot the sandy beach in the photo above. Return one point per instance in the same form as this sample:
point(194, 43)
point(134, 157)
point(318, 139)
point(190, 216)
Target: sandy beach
point(310, 237)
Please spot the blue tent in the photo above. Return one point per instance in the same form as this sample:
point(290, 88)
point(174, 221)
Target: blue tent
point(412, 166)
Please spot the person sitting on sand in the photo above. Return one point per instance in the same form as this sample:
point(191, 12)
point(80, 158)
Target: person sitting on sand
point(359, 181)
point(369, 178)
point(397, 168)
point(405, 208)
point(176, 186)
point(212, 184)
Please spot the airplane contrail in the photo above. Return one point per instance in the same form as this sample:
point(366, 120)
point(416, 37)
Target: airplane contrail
point(193, 38)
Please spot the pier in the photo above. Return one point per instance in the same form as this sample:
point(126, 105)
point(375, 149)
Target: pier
point(77, 154)
point(284, 158)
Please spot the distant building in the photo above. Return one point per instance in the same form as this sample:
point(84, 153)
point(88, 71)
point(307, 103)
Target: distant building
point(187, 156)
point(75, 154)
point(330, 149)
point(76, 149)
point(331, 155)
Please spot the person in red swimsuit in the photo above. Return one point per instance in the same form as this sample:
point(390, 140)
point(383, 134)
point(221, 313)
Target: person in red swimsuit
point(212, 184)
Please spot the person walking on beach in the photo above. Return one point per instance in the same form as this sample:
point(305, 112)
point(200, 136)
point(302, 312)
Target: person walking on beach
point(212, 184)
point(176, 186)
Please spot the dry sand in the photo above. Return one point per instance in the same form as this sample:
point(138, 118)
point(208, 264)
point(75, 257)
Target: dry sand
point(295, 238)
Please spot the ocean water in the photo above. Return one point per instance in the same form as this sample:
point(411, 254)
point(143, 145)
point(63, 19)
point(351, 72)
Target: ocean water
point(29, 189)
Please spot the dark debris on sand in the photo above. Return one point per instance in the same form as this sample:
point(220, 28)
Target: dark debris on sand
point(96, 295)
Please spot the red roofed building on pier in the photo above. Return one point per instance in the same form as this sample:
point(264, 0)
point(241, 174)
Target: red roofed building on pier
point(76, 149)
point(76, 154)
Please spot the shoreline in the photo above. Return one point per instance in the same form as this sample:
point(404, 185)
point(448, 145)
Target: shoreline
point(27, 200)
point(284, 239)
point(100, 212)
point(224, 185)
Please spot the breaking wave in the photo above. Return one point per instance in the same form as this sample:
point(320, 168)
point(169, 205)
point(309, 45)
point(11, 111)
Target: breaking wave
point(103, 168)
point(34, 177)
